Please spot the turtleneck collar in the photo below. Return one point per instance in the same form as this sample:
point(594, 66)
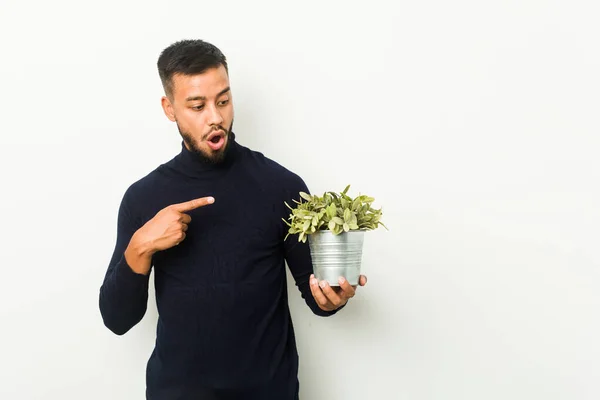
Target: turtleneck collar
point(192, 164)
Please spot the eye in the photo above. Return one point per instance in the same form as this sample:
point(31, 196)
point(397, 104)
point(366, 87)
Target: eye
point(224, 102)
point(198, 108)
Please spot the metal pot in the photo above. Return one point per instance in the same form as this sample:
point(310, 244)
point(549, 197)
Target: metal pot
point(337, 255)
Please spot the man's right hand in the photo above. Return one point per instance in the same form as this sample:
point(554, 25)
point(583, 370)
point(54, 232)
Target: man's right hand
point(165, 230)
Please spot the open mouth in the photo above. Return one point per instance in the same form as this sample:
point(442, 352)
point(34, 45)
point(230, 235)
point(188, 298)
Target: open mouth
point(216, 140)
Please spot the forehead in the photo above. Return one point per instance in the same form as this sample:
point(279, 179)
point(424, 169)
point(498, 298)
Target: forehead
point(207, 84)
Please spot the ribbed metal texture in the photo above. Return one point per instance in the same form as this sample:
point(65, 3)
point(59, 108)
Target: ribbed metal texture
point(336, 255)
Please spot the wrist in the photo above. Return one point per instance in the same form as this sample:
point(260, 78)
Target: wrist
point(139, 255)
point(141, 247)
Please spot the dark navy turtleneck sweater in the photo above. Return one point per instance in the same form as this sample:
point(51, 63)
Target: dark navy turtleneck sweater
point(224, 327)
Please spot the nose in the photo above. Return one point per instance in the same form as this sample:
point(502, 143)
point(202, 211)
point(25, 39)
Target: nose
point(215, 117)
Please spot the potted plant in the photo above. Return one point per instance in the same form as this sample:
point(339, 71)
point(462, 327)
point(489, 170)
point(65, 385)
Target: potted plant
point(334, 225)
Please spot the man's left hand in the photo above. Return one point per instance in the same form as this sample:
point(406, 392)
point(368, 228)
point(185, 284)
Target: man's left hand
point(331, 298)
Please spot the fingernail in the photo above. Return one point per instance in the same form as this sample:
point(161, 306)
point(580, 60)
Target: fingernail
point(210, 200)
point(342, 280)
point(313, 282)
point(323, 284)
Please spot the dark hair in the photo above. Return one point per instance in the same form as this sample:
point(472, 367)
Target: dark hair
point(188, 57)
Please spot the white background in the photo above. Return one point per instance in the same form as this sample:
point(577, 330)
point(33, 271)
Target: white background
point(474, 124)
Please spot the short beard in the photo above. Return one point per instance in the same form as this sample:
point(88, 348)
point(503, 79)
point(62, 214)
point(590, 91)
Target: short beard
point(213, 158)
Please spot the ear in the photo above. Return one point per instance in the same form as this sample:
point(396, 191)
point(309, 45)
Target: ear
point(168, 108)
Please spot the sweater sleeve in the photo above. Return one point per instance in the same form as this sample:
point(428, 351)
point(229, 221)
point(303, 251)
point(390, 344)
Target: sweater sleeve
point(297, 255)
point(123, 294)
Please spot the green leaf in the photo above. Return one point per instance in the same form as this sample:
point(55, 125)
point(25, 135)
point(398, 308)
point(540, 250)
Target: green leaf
point(347, 214)
point(306, 196)
point(346, 227)
point(338, 220)
point(306, 225)
point(353, 219)
point(331, 210)
point(346, 189)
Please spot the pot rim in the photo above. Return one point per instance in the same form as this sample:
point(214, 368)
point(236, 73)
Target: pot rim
point(328, 231)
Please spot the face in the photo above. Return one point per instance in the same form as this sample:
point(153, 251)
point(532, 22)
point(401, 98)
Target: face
point(202, 107)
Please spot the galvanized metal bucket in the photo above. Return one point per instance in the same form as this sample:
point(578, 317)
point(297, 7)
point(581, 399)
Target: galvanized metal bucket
point(337, 255)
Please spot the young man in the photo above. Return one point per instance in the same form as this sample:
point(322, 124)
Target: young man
point(209, 222)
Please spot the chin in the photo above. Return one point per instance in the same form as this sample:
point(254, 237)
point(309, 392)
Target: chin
point(203, 150)
point(217, 156)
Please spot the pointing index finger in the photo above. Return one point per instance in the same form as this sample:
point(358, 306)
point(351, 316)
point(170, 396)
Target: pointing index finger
point(193, 204)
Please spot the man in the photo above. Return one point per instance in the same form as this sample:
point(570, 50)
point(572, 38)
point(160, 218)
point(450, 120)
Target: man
point(209, 222)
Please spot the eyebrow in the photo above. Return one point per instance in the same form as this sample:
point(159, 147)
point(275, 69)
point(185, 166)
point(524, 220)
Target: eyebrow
point(193, 98)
